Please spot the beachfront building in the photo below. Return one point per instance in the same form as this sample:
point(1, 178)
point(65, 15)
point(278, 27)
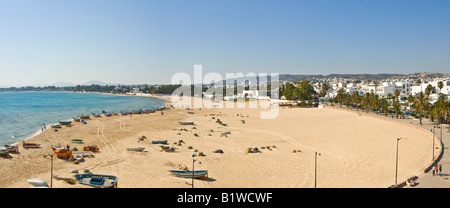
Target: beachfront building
point(404, 87)
point(421, 87)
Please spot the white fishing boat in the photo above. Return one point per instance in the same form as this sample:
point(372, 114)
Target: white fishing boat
point(77, 156)
point(137, 149)
point(37, 183)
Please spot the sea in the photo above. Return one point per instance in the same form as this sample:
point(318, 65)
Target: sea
point(23, 114)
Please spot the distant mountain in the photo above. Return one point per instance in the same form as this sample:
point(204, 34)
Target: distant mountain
point(97, 82)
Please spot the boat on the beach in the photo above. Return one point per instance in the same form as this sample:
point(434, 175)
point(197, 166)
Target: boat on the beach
point(58, 147)
point(55, 126)
point(222, 124)
point(65, 122)
point(95, 115)
point(186, 123)
point(11, 148)
point(83, 117)
point(63, 153)
point(76, 119)
point(85, 154)
point(77, 156)
point(137, 149)
point(38, 183)
point(198, 174)
point(30, 145)
point(160, 142)
point(108, 114)
point(77, 140)
point(98, 181)
point(91, 148)
point(4, 153)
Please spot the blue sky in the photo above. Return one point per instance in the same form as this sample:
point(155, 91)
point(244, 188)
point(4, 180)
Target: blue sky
point(147, 41)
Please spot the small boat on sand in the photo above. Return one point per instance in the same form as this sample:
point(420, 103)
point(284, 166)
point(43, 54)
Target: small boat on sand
point(11, 148)
point(63, 153)
point(98, 181)
point(30, 145)
point(138, 149)
point(84, 117)
point(77, 140)
point(55, 126)
point(4, 153)
point(186, 123)
point(38, 183)
point(198, 174)
point(91, 148)
point(160, 142)
point(65, 122)
point(77, 156)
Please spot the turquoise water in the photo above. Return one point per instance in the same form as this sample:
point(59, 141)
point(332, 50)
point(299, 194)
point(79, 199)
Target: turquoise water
point(22, 114)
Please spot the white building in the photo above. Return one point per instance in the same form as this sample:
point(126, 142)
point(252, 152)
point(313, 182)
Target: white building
point(422, 87)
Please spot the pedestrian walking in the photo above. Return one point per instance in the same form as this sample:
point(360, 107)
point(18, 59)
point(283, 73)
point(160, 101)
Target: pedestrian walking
point(433, 171)
point(436, 169)
point(440, 170)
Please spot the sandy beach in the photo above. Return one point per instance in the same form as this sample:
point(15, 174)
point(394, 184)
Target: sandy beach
point(355, 151)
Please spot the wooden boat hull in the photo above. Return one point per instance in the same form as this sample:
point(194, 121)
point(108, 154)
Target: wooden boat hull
point(77, 140)
point(12, 149)
point(63, 153)
point(4, 153)
point(55, 126)
point(199, 174)
point(65, 122)
point(98, 181)
point(159, 142)
point(91, 148)
point(84, 117)
point(186, 123)
point(30, 145)
point(138, 149)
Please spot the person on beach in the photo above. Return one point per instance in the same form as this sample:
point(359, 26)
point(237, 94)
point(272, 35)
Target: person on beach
point(440, 170)
point(433, 171)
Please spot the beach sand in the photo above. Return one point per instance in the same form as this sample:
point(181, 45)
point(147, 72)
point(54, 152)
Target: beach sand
point(355, 151)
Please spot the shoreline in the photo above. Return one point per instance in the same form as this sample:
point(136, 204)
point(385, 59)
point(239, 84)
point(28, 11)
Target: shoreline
point(48, 126)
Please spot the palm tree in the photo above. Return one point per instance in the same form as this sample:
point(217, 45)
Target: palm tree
point(396, 106)
point(366, 101)
point(440, 85)
point(375, 102)
point(410, 99)
point(430, 89)
point(397, 94)
point(385, 106)
point(420, 104)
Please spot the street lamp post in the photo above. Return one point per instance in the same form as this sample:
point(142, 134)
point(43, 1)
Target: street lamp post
point(396, 162)
point(315, 169)
point(434, 130)
point(51, 173)
point(193, 161)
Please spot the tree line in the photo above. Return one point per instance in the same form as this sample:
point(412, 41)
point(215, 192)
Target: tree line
point(419, 104)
